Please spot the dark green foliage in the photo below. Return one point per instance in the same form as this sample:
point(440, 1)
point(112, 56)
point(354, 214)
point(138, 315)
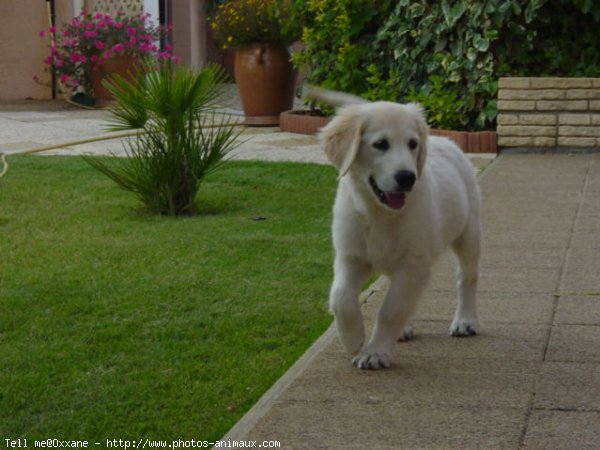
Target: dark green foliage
point(563, 40)
point(455, 50)
point(338, 37)
point(178, 141)
point(445, 46)
point(444, 106)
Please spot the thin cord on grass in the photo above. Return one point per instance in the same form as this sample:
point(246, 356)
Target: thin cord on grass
point(107, 137)
point(4, 164)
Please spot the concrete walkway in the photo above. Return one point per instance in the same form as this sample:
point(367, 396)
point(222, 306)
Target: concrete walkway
point(530, 380)
point(28, 125)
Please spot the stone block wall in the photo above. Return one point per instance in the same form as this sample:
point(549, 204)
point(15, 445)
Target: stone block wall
point(548, 112)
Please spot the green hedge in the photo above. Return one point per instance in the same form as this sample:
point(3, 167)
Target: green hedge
point(445, 54)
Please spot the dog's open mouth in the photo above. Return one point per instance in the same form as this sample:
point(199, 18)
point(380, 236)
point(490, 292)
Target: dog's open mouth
point(393, 200)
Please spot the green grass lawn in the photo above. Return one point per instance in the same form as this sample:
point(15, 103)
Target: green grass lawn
point(118, 324)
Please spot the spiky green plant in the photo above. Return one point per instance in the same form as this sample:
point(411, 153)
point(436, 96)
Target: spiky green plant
point(179, 138)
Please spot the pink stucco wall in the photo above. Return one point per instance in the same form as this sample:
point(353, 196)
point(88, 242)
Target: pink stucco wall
point(21, 49)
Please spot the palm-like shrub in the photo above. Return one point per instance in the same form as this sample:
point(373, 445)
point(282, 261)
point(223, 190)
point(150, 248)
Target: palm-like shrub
point(178, 140)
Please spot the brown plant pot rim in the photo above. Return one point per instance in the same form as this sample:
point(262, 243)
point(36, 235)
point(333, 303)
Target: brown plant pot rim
point(301, 121)
point(471, 141)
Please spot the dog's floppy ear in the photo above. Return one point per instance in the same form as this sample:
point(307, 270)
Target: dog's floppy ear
point(341, 139)
point(423, 134)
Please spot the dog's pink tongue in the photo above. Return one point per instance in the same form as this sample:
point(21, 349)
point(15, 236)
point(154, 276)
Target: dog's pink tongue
point(395, 201)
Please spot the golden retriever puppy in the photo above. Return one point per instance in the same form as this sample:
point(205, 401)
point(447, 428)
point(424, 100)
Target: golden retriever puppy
point(403, 198)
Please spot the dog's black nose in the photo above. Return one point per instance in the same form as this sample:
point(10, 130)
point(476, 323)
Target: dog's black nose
point(405, 179)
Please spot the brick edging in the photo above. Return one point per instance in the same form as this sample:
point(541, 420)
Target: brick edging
point(469, 142)
point(548, 112)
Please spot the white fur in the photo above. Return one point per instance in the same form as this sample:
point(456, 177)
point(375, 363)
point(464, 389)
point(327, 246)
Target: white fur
point(441, 210)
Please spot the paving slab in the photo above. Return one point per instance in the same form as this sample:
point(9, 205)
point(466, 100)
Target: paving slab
point(567, 386)
point(563, 430)
point(545, 257)
point(582, 274)
point(504, 278)
point(509, 307)
point(359, 426)
point(418, 382)
point(574, 343)
point(578, 309)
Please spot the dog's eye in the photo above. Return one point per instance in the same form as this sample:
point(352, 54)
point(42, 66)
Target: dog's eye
point(382, 144)
point(413, 144)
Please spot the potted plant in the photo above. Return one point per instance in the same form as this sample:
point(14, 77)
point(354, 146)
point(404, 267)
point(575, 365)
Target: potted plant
point(93, 46)
point(260, 32)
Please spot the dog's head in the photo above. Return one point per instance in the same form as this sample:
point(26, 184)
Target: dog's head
point(381, 144)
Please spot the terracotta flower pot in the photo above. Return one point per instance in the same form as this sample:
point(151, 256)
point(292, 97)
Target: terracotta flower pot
point(123, 65)
point(265, 79)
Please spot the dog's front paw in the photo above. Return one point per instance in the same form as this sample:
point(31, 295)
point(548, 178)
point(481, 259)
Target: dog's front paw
point(371, 361)
point(464, 327)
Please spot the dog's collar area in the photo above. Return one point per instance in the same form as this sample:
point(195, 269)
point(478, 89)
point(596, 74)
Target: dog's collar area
point(393, 200)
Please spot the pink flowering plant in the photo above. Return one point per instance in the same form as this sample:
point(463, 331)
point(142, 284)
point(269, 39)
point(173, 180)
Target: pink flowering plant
point(90, 39)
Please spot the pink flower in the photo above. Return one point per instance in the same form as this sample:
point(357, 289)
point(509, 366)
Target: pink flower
point(63, 78)
point(90, 34)
point(99, 45)
point(130, 31)
point(118, 48)
point(42, 34)
point(52, 29)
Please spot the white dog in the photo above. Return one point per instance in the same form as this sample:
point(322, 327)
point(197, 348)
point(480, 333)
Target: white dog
point(394, 214)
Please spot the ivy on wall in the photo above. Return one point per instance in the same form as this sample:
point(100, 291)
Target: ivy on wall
point(445, 54)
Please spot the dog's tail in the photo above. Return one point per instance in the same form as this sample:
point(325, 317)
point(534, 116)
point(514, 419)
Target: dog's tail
point(333, 98)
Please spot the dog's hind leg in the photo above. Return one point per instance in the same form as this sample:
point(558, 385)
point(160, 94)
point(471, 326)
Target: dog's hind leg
point(349, 277)
point(468, 250)
point(407, 333)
